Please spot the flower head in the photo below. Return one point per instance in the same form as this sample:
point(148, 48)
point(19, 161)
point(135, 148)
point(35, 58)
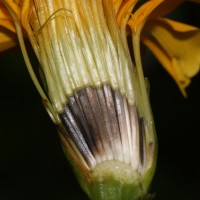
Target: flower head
point(94, 90)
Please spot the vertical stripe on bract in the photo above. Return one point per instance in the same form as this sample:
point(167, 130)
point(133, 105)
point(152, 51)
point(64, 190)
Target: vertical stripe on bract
point(103, 126)
point(78, 44)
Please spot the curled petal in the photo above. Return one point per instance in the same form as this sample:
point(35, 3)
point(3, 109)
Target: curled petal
point(139, 18)
point(177, 47)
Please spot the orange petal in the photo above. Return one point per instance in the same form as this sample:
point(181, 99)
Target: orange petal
point(125, 10)
point(165, 7)
point(139, 18)
point(116, 4)
point(177, 47)
point(14, 5)
point(7, 29)
point(5, 18)
point(19, 8)
point(6, 40)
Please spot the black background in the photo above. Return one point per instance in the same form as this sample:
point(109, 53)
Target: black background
point(32, 164)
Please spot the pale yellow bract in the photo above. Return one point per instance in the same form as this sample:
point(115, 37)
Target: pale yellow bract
point(156, 35)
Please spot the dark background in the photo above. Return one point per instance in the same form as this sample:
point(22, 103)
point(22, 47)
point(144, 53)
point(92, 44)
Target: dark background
point(32, 164)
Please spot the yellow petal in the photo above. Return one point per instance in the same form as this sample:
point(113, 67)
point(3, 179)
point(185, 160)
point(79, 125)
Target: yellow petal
point(125, 10)
point(165, 7)
point(7, 29)
point(7, 26)
point(5, 18)
point(19, 8)
point(116, 4)
point(6, 40)
point(177, 47)
point(139, 18)
point(14, 5)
